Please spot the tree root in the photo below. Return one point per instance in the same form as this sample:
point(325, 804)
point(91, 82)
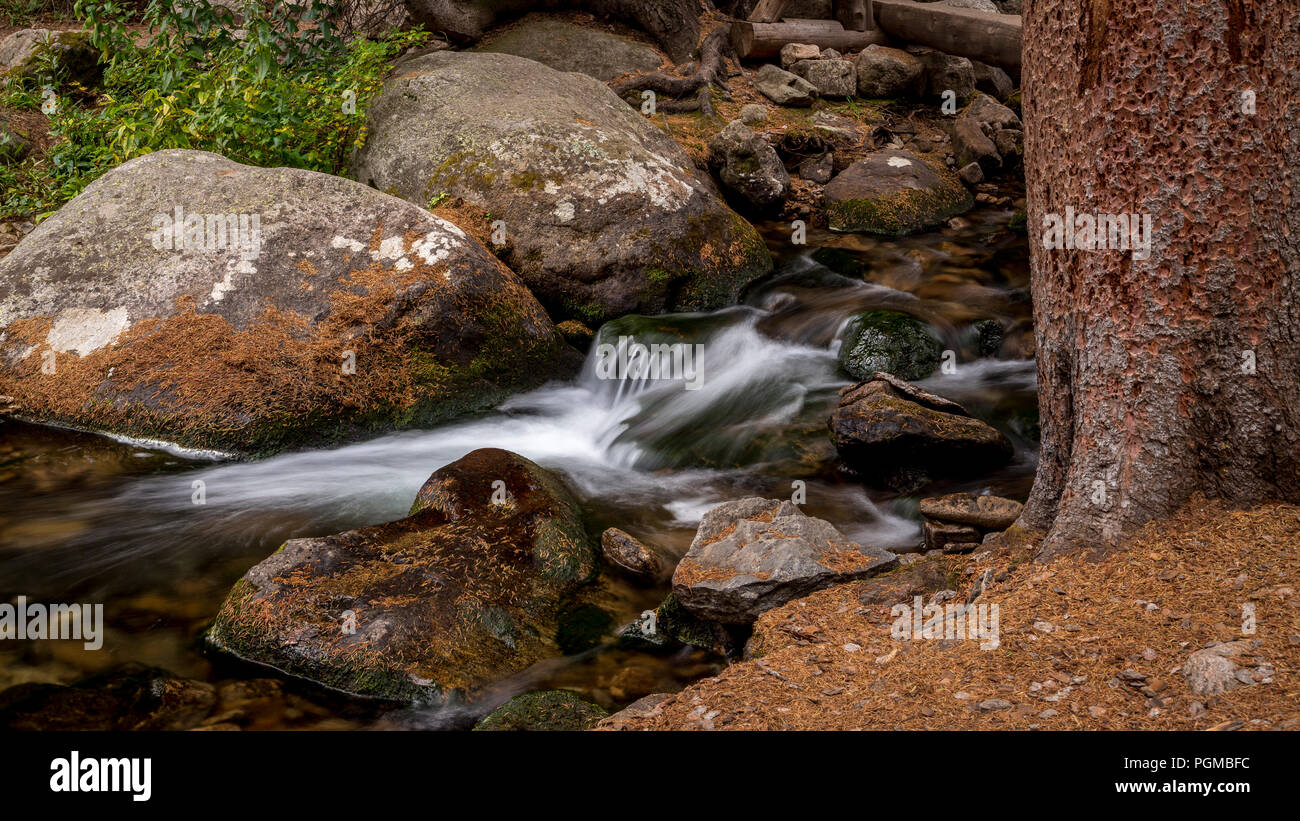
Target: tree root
point(709, 72)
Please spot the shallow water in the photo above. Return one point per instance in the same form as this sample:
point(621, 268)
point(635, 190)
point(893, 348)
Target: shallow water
point(90, 519)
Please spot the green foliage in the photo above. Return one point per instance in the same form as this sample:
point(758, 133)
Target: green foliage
point(290, 93)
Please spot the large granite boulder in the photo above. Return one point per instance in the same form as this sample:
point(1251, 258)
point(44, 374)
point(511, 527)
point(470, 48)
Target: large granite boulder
point(894, 434)
point(892, 193)
point(754, 554)
point(602, 212)
point(473, 586)
point(186, 297)
point(566, 47)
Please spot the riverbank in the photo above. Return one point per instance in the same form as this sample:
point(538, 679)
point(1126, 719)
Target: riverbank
point(1102, 645)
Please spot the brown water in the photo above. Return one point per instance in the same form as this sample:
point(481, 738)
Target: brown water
point(85, 518)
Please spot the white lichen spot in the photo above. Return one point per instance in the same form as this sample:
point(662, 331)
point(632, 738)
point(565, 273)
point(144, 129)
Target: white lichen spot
point(898, 162)
point(227, 282)
point(350, 244)
point(85, 330)
point(564, 211)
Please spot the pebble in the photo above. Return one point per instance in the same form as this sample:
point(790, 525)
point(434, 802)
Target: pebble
point(994, 704)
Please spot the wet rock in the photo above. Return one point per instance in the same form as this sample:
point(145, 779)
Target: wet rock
point(888, 73)
point(892, 193)
point(989, 335)
point(186, 297)
point(831, 78)
point(131, 697)
point(481, 580)
point(673, 620)
point(784, 88)
point(939, 535)
point(627, 553)
point(604, 214)
point(992, 81)
point(946, 72)
point(792, 53)
point(899, 439)
point(888, 341)
point(754, 554)
point(576, 333)
point(749, 167)
point(982, 511)
point(544, 710)
point(565, 47)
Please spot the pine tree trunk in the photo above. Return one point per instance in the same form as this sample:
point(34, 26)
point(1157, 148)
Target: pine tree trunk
point(1178, 374)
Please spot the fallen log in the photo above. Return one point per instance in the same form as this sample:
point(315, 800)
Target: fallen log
point(764, 40)
point(977, 35)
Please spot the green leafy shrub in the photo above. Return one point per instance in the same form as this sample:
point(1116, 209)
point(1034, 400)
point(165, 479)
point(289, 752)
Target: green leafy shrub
point(289, 92)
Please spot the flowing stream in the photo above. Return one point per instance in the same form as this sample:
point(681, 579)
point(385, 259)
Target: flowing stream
point(86, 518)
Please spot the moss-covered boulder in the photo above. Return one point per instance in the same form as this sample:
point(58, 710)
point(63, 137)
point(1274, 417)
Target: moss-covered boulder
point(544, 710)
point(69, 54)
point(475, 585)
point(186, 297)
point(893, 193)
point(894, 434)
point(889, 341)
point(602, 212)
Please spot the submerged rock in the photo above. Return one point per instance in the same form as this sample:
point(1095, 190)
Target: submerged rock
point(544, 710)
point(186, 297)
point(478, 583)
point(602, 212)
point(888, 341)
point(892, 193)
point(902, 437)
point(754, 554)
point(131, 697)
point(566, 47)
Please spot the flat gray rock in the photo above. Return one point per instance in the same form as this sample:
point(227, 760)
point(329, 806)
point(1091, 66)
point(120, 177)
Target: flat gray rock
point(754, 554)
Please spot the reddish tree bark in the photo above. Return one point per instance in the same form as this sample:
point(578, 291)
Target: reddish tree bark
point(1142, 107)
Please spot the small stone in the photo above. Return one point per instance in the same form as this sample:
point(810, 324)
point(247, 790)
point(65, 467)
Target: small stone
point(971, 173)
point(994, 704)
point(753, 114)
point(792, 53)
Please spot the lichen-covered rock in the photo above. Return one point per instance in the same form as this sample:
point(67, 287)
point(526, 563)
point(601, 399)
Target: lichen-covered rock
point(831, 78)
point(601, 212)
point(983, 511)
point(784, 88)
point(888, 73)
point(749, 167)
point(902, 437)
point(754, 554)
point(544, 711)
point(566, 47)
point(474, 585)
point(893, 193)
point(889, 341)
point(186, 297)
